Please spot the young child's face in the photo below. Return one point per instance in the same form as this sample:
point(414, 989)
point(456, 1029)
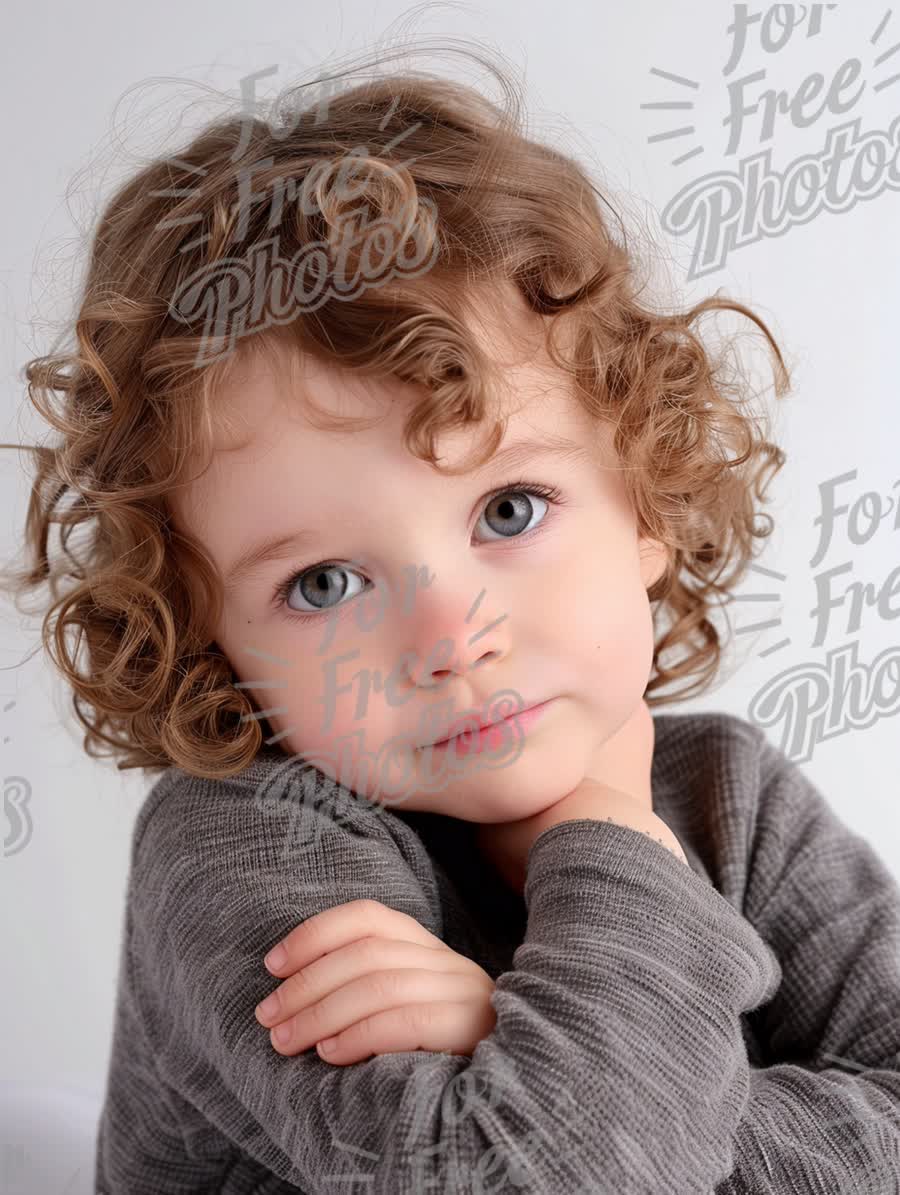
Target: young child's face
point(544, 603)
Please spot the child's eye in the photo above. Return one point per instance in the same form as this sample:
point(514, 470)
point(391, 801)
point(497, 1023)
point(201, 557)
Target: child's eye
point(318, 584)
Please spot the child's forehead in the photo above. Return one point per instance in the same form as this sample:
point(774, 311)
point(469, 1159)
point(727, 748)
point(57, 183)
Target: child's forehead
point(497, 321)
point(267, 398)
point(271, 389)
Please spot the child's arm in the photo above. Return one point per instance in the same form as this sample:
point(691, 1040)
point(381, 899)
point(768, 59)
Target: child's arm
point(830, 1116)
point(617, 1061)
point(824, 1114)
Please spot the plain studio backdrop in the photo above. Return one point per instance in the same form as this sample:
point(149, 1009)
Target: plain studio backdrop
point(788, 203)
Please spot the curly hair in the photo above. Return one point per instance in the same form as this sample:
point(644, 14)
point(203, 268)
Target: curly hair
point(443, 173)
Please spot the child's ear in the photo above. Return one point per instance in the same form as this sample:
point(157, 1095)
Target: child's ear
point(654, 561)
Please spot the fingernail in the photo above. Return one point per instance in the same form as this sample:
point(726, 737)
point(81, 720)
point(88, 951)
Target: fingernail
point(327, 1045)
point(282, 1033)
point(276, 957)
point(269, 1006)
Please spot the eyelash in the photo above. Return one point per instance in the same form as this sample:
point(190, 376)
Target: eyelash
point(283, 591)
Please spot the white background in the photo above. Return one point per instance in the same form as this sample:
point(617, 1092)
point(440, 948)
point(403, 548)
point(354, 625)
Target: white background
point(90, 91)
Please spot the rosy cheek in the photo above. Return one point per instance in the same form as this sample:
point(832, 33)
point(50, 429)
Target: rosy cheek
point(617, 638)
point(327, 730)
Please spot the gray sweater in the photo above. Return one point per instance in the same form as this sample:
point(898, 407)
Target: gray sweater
point(731, 1026)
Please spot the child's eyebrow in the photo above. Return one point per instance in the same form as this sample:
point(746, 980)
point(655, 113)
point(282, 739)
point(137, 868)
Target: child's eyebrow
point(280, 547)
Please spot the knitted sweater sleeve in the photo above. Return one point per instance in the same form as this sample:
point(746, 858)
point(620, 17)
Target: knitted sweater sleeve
point(824, 1115)
point(617, 1062)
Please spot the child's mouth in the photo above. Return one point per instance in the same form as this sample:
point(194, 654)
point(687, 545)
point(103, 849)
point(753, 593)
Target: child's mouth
point(471, 741)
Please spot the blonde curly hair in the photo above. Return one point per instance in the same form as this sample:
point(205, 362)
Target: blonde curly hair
point(488, 204)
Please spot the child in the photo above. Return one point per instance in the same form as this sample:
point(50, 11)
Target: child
point(586, 950)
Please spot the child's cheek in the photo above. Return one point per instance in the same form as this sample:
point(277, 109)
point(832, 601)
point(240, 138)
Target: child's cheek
point(615, 641)
point(341, 723)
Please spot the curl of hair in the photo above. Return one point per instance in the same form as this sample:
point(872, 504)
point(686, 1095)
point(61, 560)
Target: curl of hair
point(454, 181)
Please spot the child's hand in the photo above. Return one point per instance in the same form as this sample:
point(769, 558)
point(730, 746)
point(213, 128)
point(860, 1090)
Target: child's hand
point(621, 792)
point(590, 799)
point(377, 982)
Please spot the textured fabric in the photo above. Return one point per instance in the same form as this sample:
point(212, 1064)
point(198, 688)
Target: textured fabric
point(730, 1026)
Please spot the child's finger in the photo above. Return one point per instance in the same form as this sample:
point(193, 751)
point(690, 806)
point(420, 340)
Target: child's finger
point(339, 925)
point(440, 1025)
point(367, 997)
point(367, 956)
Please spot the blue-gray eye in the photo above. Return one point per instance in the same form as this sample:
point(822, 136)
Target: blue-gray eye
point(512, 511)
point(320, 584)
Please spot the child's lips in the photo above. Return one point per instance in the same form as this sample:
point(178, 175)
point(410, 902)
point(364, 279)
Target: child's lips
point(469, 723)
point(471, 739)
